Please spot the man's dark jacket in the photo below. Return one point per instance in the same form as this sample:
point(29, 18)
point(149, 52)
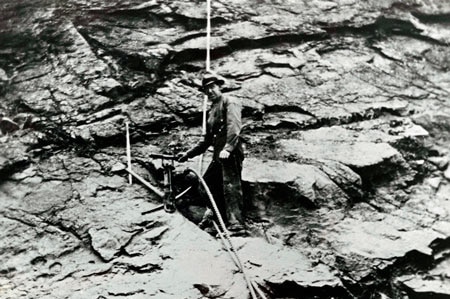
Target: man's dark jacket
point(223, 129)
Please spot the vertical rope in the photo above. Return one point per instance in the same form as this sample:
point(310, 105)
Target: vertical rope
point(208, 35)
point(130, 180)
point(208, 68)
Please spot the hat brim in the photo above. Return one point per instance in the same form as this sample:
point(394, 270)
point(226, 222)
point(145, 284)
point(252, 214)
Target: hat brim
point(217, 81)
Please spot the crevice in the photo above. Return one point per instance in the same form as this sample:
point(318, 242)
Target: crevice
point(126, 294)
point(7, 272)
point(287, 108)
point(31, 78)
point(293, 290)
point(21, 220)
point(44, 259)
point(11, 168)
point(373, 176)
point(382, 280)
point(132, 61)
point(99, 273)
point(441, 248)
point(315, 123)
point(122, 250)
point(234, 45)
point(432, 18)
point(186, 38)
point(380, 52)
point(94, 251)
point(70, 230)
point(263, 197)
point(381, 27)
point(100, 116)
point(68, 275)
point(146, 268)
point(169, 19)
point(354, 191)
point(55, 138)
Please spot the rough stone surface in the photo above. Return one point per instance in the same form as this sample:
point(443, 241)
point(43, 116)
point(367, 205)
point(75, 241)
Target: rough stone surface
point(346, 131)
point(432, 284)
point(291, 185)
point(358, 155)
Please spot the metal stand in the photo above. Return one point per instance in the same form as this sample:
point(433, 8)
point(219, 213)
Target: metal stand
point(168, 167)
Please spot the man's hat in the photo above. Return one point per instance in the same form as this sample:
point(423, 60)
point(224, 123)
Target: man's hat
point(210, 78)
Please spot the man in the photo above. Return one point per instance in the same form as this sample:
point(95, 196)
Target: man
point(223, 129)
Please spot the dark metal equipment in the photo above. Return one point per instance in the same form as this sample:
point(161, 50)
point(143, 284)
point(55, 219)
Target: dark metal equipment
point(167, 162)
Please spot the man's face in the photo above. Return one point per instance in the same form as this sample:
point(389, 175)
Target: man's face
point(213, 92)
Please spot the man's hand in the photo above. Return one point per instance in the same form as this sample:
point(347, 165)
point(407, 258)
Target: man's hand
point(224, 154)
point(182, 157)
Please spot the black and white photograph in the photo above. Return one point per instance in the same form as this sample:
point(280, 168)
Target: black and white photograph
point(225, 149)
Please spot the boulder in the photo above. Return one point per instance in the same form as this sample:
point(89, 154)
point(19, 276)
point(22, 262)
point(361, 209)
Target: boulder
point(366, 158)
point(106, 86)
point(289, 185)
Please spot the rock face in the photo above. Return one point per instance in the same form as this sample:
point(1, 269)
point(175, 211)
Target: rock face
point(432, 284)
point(291, 185)
point(346, 178)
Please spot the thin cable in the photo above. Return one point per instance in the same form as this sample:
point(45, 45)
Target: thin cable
point(130, 180)
point(208, 35)
point(208, 68)
point(200, 159)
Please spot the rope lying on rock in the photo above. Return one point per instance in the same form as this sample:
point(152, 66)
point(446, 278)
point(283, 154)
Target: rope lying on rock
point(238, 262)
point(226, 239)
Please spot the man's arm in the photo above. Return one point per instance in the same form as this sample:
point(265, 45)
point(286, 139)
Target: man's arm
point(234, 124)
point(201, 146)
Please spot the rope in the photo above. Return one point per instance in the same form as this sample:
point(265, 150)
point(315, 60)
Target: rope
point(226, 236)
point(130, 180)
point(208, 68)
point(238, 263)
point(208, 35)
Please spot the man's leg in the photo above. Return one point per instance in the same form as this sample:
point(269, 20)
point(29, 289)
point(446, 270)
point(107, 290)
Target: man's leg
point(232, 189)
point(214, 180)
